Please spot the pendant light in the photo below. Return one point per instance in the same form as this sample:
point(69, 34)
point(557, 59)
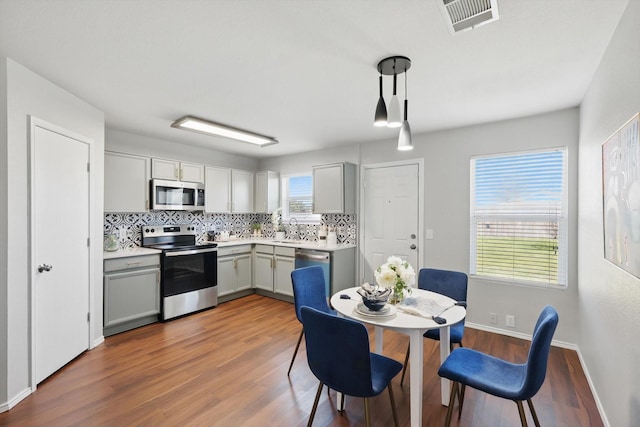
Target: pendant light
point(404, 140)
point(394, 65)
point(394, 119)
point(381, 109)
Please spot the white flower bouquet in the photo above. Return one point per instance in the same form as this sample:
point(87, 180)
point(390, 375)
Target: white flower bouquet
point(275, 220)
point(397, 275)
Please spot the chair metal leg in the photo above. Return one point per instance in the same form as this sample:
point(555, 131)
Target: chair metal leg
point(461, 398)
point(342, 403)
point(406, 362)
point(315, 405)
point(295, 351)
point(533, 412)
point(393, 406)
point(452, 401)
point(523, 417)
point(366, 412)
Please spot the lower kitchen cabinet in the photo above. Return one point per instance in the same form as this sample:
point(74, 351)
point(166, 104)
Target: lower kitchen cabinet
point(131, 292)
point(284, 265)
point(272, 270)
point(234, 272)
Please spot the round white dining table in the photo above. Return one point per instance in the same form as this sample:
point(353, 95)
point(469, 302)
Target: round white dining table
point(414, 326)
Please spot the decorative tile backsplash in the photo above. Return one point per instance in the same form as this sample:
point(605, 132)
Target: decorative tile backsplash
point(238, 224)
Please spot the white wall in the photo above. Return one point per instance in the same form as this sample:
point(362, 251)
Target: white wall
point(446, 157)
point(29, 94)
point(4, 178)
point(609, 298)
point(303, 162)
point(446, 211)
point(125, 142)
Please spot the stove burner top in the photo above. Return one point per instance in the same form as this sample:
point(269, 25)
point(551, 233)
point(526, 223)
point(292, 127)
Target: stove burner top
point(181, 247)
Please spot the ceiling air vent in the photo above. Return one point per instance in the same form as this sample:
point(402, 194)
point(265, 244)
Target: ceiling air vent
point(463, 15)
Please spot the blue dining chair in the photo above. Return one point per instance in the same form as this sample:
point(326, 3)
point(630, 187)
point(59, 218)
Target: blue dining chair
point(449, 283)
point(517, 382)
point(308, 290)
point(339, 356)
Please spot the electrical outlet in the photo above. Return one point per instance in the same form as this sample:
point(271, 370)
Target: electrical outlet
point(511, 321)
point(123, 233)
point(493, 318)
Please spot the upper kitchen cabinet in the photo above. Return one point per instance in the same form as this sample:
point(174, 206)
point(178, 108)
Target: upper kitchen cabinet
point(126, 182)
point(334, 188)
point(267, 192)
point(177, 171)
point(228, 191)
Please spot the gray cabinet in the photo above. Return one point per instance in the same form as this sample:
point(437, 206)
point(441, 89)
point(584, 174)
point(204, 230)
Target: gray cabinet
point(284, 260)
point(272, 270)
point(228, 190)
point(263, 268)
point(131, 292)
point(126, 182)
point(267, 192)
point(177, 171)
point(234, 272)
point(334, 188)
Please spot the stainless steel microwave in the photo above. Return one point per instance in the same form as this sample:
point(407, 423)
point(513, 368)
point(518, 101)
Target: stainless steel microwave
point(176, 195)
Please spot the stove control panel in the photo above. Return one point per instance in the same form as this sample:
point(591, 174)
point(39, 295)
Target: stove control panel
point(168, 230)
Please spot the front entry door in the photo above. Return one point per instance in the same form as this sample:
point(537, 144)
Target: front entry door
point(391, 225)
point(60, 252)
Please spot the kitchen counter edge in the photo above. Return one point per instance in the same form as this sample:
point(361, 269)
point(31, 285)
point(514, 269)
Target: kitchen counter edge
point(128, 252)
point(138, 251)
point(301, 245)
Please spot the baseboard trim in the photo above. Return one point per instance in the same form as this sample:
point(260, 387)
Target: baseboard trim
point(556, 343)
point(603, 414)
point(16, 399)
point(97, 342)
point(514, 334)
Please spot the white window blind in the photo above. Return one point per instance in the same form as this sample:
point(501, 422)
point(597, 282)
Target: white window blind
point(519, 209)
point(297, 191)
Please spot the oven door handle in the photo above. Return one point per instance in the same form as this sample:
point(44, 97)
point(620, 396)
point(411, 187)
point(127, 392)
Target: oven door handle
point(190, 252)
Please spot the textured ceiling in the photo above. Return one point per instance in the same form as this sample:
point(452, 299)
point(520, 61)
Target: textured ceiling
point(305, 71)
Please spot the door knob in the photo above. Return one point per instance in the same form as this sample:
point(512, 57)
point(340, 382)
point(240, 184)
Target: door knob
point(44, 267)
point(413, 236)
point(412, 246)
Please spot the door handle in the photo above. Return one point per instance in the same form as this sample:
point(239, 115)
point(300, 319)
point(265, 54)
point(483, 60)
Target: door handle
point(412, 246)
point(44, 267)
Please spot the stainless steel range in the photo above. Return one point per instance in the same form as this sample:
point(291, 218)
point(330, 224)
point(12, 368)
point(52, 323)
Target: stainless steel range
point(189, 271)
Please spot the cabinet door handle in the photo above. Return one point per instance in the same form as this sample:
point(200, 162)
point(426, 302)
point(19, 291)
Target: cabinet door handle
point(132, 264)
point(235, 263)
point(158, 277)
point(176, 173)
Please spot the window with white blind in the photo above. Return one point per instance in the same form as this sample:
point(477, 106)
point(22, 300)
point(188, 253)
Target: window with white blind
point(519, 217)
point(297, 199)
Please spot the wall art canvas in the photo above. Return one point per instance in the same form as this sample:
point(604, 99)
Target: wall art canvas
point(621, 197)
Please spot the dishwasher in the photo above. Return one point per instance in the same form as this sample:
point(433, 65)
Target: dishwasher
point(310, 257)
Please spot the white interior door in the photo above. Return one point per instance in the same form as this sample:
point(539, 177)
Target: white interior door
point(60, 252)
point(390, 216)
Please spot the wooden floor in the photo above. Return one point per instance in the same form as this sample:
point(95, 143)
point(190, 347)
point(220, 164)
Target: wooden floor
point(228, 367)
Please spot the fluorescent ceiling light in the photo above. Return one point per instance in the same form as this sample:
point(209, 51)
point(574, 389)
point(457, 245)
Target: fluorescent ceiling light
point(210, 128)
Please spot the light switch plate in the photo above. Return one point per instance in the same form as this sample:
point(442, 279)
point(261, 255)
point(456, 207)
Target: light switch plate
point(429, 234)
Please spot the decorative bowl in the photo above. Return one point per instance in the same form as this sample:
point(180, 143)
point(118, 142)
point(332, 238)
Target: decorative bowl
point(373, 297)
point(373, 304)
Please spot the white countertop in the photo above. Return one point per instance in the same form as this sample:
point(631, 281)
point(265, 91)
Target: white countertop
point(134, 251)
point(137, 250)
point(303, 244)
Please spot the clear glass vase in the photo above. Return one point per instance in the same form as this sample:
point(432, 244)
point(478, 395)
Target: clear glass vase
point(396, 297)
